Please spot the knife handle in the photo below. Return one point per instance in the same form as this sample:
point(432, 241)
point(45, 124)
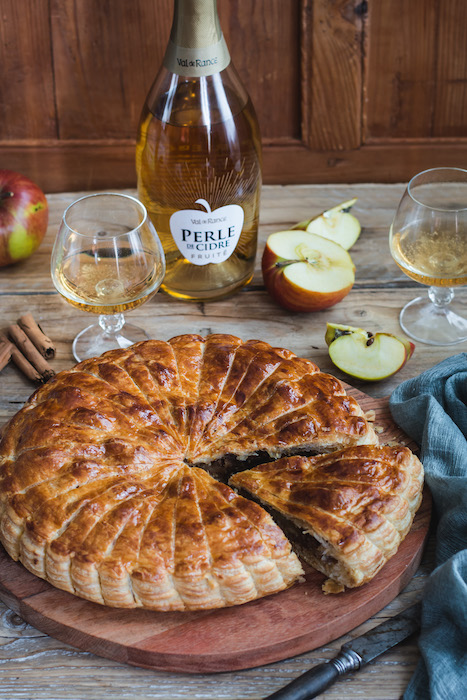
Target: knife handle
point(315, 681)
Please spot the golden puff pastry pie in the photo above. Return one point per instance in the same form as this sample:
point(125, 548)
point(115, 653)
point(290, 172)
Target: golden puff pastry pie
point(101, 490)
point(345, 513)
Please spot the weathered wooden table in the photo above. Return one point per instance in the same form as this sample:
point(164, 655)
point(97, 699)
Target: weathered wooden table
point(35, 666)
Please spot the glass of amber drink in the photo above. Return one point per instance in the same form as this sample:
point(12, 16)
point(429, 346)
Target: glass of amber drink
point(428, 241)
point(107, 259)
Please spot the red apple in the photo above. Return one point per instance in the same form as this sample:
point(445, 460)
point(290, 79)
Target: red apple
point(23, 217)
point(365, 355)
point(306, 272)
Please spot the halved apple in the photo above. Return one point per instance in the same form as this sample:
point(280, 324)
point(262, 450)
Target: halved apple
point(336, 224)
point(306, 272)
point(361, 354)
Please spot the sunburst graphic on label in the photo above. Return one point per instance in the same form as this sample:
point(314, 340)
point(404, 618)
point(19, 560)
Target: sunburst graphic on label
point(199, 181)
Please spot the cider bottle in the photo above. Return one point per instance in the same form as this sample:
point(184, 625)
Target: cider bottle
point(198, 160)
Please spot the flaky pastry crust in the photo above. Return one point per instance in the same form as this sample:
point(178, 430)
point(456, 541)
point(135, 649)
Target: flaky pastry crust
point(100, 492)
point(347, 512)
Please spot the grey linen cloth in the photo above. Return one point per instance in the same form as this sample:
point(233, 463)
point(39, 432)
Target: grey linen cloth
point(432, 409)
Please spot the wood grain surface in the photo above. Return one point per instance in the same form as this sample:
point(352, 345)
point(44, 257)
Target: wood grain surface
point(420, 98)
point(38, 667)
point(345, 91)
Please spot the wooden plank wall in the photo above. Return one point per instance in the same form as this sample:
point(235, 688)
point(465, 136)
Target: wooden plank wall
point(345, 90)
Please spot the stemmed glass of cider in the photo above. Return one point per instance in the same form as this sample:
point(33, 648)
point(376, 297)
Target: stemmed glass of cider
point(428, 241)
point(107, 259)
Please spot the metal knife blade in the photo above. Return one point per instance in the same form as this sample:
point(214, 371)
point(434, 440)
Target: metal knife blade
point(386, 635)
point(352, 656)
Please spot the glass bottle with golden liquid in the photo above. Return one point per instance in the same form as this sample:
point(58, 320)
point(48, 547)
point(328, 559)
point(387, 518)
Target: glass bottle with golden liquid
point(198, 160)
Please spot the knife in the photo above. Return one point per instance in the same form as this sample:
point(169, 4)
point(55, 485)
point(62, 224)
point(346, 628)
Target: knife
point(352, 656)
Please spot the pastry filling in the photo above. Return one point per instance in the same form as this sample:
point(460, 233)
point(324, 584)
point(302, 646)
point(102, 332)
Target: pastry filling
point(224, 467)
point(307, 546)
point(313, 551)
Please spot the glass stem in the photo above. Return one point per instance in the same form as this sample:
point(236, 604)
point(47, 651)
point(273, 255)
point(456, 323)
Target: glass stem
point(441, 296)
point(112, 323)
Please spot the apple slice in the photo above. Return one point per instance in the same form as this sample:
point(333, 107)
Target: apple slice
point(306, 272)
point(336, 224)
point(361, 354)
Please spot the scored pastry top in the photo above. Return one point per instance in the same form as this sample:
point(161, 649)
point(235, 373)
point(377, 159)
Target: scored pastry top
point(356, 504)
point(99, 489)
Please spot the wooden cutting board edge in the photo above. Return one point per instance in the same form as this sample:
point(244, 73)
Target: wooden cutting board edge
point(271, 629)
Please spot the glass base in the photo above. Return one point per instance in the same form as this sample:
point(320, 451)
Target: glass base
point(421, 320)
point(93, 341)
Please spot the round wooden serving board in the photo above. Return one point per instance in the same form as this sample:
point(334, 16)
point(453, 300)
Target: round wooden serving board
point(271, 629)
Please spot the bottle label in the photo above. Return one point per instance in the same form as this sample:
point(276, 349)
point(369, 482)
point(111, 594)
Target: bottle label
point(207, 237)
point(195, 63)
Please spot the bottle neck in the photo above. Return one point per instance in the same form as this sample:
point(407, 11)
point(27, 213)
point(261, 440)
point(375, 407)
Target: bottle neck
point(196, 47)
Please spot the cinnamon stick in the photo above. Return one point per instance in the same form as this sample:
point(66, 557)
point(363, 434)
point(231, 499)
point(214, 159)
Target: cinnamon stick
point(5, 352)
point(37, 336)
point(30, 352)
point(21, 362)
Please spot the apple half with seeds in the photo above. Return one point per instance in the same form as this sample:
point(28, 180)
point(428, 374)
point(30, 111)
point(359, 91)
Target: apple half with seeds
point(365, 355)
point(306, 272)
point(336, 224)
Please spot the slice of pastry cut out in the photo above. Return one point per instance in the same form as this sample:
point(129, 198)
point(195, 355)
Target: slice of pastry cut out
point(346, 512)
